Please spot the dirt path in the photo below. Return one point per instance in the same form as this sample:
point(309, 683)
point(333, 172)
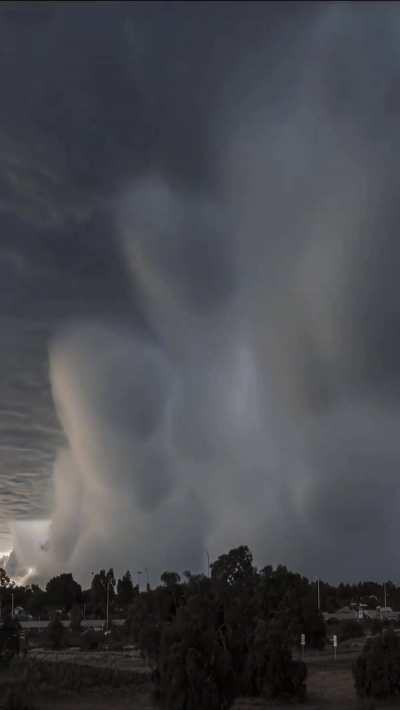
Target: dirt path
point(331, 685)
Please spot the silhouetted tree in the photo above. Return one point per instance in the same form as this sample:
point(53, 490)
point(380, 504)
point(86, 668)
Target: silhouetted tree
point(4, 579)
point(170, 578)
point(100, 583)
point(125, 589)
point(233, 567)
point(56, 633)
point(63, 592)
point(6, 587)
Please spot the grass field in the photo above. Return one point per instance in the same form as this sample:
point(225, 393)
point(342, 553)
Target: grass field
point(329, 685)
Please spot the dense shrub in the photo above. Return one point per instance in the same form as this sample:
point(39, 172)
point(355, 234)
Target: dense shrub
point(315, 627)
point(76, 618)
point(280, 676)
point(350, 629)
point(377, 670)
point(376, 626)
point(116, 638)
point(293, 598)
point(91, 640)
point(56, 634)
point(9, 637)
point(203, 666)
point(118, 633)
point(194, 670)
point(143, 625)
point(332, 621)
point(72, 638)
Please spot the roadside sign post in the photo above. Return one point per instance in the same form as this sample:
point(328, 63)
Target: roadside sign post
point(302, 643)
point(334, 641)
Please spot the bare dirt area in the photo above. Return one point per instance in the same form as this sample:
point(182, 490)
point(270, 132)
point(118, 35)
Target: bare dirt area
point(332, 686)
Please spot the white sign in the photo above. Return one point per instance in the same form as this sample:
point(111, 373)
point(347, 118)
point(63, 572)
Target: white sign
point(303, 639)
point(334, 639)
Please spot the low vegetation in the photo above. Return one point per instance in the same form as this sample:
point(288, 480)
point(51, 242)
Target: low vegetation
point(377, 670)
point(350, 629)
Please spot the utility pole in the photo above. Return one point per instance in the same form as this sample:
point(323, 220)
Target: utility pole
point(384, 594)
point(318, 596)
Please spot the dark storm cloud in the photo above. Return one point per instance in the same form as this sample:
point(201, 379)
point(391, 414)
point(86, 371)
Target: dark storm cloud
point(222, 180)
point(92, 96)
point(98, 94)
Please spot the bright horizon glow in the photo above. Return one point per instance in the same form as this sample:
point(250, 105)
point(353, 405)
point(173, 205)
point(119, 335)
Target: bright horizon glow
point(29, 538)
point(24, 580)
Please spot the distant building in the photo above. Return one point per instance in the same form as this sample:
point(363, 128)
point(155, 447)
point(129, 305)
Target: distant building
point(361, 612)
point(343, 614)
point(386, 612)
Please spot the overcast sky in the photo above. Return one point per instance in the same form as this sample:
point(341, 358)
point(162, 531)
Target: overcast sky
point(199, 292)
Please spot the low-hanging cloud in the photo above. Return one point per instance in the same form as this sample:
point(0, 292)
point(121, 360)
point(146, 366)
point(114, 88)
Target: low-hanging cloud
point(118, 494)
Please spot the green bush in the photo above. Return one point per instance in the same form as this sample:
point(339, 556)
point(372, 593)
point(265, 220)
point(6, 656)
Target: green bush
point(376, 671)
point(91, 640)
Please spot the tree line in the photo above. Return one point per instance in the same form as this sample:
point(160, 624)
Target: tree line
point(62, 592)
